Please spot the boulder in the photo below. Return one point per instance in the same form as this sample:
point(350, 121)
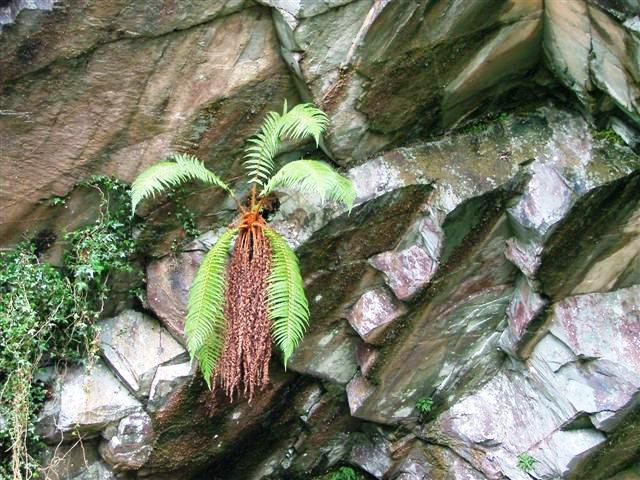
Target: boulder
point(135, 345)
point(372, 454)
point(167, 379)
point(129, 445)
point(373, 312)
point(168, 283)
point(77, 461)
point(576, 394)
point(85, 401)
point(407, 271)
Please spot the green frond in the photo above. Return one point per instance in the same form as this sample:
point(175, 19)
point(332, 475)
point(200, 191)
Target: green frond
point(304, 120)
point(288, 307)
point(204, 326)
point(164, 175)
point(315, 178)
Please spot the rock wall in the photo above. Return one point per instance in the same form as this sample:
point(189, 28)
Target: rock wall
point(491, 266)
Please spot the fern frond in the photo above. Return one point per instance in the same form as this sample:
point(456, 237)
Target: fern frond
point(315, 178)
point(204, 326)
point(167, 174)
point(304, 120)
point(287, 303)
point(263, 148)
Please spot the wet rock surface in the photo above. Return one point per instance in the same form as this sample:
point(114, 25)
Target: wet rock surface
point(490, 272)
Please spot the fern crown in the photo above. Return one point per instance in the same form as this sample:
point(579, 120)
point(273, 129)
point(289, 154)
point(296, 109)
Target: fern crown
point(287, 305)
point(302, 121)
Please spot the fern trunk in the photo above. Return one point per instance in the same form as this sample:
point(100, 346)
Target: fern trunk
point(244, 365)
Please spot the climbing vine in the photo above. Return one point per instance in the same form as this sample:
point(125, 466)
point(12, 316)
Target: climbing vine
point(48, 315)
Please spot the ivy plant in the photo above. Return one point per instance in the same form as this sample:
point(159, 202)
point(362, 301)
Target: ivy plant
point(248, 289)
point(48, 314)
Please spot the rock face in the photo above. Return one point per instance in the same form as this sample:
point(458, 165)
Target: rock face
point(475, 316)
point(135, 345)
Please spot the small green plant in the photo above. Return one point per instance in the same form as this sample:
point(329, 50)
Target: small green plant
point(345, 473)
point(57, 201)
point(47, 317)
point(239, 300)
point(526, 462)
point(424, 405)
point(607, 135)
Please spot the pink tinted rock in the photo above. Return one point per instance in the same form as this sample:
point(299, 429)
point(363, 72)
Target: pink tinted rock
point(546, 199)
point(358, 389)
point(523, 256)
point(168, 283)
point(524, 306)
point(602, 325)
point(407, 271)
point(373, 312)
point(366, 357)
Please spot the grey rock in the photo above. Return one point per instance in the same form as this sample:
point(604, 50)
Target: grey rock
point(166, 380)
point(10, 10)
point(339, 365)
point(372, 455)
point(134, 345)
point(76, 461)
point(131, 444)
point(87, 400)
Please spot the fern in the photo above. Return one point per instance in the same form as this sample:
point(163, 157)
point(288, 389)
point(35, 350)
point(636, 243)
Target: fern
point(288, 307)
point(164, 175)
point(304, 120)
point(287, 315)
point(204, 326)
point(315, 178)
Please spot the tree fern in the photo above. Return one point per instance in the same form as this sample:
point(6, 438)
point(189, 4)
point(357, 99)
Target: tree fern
point(164, 175)
point(314, 178)
point(304, 120)
point(288, 307)
point(228, 329)
point(204, 326)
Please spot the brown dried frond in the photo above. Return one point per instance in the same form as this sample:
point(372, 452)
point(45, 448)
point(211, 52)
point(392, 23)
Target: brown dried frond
point(244, 365)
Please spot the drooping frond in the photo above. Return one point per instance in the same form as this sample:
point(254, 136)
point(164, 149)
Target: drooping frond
point(304, 120)
point(288, 307)
point(204, 326)
point(315, 178)
point(164, 175)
